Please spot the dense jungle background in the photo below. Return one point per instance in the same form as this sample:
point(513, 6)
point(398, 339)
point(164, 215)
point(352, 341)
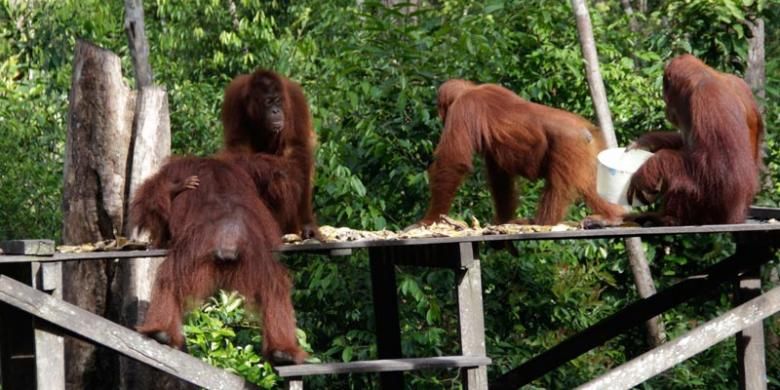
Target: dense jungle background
point(371, 73)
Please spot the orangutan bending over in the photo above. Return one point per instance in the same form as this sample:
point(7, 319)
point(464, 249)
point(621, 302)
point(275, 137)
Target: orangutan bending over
point(708, 172)
point(515, 137)
point(219, 235)
point(265, 113)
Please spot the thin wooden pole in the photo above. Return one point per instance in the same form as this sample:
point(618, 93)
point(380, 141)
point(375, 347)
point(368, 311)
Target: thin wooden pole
point(636, 255)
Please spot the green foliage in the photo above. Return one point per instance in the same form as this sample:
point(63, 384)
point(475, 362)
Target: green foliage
point(370, 74)
point(222, 333)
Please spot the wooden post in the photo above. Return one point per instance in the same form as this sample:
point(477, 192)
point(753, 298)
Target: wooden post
point(388, 330)
point(750, 341)
point(100, 117)
point(470, 315)
point(662, 358)
point(49, 343)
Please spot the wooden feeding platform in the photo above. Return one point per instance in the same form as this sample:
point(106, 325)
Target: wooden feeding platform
point(34, 317)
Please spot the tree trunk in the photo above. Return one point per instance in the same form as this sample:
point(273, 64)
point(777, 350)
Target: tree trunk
point(100, 117)
point(755, 74)
point(636, 256)
point(150, 146)
point(139, 46)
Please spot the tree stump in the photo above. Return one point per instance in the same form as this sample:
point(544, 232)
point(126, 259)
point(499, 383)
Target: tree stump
point(100, 118)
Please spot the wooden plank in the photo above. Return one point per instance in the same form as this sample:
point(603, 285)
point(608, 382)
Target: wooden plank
point(330, 246)
point(383, 365)
point(7, 259)
point(574, 234)
point(471, 316)
point(746, 258)
point(695, 341)
point(27, 247)
point(49, 343)
point(388, 329)
point(750, 341)
point(125, 341)
point(764, 213)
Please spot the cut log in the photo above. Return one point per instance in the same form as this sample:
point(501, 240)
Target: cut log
point(100, 117)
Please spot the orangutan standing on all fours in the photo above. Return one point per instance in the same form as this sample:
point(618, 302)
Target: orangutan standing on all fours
point(516, 138)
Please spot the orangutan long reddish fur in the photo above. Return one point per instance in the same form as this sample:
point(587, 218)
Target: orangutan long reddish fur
point(516, 137)
point(708, 172)
point(222, 215)
point(290, 151)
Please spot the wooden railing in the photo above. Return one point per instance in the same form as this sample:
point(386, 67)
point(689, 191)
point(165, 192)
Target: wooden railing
point(54, 317)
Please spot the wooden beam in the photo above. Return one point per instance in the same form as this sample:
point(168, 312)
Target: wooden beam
point(7, 259)
point(746, 258)
point(388, 328)
point(125, 341)
point(697, 340)
point(764, 213)
point(27, 247)
point(383, 365)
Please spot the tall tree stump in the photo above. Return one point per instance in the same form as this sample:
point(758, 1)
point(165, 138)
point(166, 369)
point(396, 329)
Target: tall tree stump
point(100, 118)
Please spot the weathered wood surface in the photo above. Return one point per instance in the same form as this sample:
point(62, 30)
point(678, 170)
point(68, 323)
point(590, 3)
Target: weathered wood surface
point(383, 365)
point(753, 226)
point(58, 257)
point(751, 347)
point(125, 341)
point(708, 281)
point(151, 145)
point(755, 72)
point(49, 343)
point(139, 45)
point(27, 247)
point(697, 340)
point(100, 119)
point(621, 232)
point(471, 317)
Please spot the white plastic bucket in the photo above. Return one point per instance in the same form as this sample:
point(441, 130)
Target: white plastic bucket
point(615, 168)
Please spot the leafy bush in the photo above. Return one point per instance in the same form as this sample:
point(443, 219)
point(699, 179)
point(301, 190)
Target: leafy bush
point(222, 333)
